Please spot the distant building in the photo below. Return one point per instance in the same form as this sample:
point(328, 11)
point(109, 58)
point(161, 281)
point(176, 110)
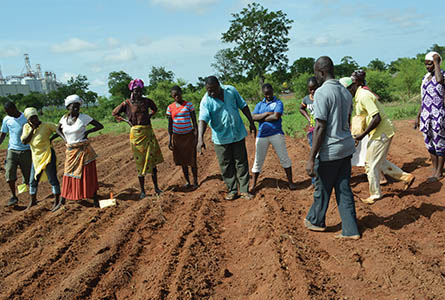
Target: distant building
point(28, 82)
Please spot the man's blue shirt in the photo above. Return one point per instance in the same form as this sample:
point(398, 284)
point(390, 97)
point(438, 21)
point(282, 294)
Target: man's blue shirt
point(223, 116)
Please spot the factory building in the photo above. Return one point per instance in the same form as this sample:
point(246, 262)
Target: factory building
point(29, 81)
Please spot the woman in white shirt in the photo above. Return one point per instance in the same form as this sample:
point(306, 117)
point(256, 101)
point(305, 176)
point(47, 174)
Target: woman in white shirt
point(80, 175)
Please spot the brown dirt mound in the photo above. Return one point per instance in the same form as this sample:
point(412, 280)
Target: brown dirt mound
point(192, 244)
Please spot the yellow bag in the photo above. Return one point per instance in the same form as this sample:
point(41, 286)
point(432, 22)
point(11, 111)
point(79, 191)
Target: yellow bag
point(358, 124)
point(22, 188)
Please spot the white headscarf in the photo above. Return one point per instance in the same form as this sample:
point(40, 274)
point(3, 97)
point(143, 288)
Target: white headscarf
point(29, 112)
point(429, 56)
point(73, 99)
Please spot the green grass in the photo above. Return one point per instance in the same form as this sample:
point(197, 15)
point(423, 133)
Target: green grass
point(294, 124)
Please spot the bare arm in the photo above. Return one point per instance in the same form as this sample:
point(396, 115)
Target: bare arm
point(261, 117)
point(60, 132)
point(437, 72)
point(376, 119)
point(170, 132)
point(2, 137)
point(27, 139)
point(97, 126)
point(201, 130)
point(246, 112)
point(318, 137)
point(273, 117)
point(303, 111)
point(116, 113)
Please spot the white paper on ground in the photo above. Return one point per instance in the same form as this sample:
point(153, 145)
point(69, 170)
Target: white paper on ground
point(359, 157)
point(107, 202)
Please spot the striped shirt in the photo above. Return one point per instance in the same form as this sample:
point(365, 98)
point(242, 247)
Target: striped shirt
point(181, 116)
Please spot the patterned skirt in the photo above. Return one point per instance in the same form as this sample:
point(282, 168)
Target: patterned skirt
point(146, 151)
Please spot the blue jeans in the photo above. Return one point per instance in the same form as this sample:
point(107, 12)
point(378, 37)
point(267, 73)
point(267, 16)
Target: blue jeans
point(309, 138)
point(334, 174)
point(51, 172)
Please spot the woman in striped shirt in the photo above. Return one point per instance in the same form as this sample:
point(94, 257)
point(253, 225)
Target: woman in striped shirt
point(183, 132)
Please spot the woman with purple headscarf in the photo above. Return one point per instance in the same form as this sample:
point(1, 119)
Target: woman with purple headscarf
point(431, 116)
point(145, 147)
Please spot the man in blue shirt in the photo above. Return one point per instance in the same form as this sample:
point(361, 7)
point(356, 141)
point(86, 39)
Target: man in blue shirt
point(268, 113)
point(331, 152)
point(219, 109)
point(18, 153)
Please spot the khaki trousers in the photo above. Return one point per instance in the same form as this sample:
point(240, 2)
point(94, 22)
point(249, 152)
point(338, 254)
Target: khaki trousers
point(376, 161)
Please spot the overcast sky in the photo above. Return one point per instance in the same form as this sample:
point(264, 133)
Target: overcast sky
point(96, 37)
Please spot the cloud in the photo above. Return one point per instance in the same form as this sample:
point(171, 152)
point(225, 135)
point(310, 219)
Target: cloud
point(112, 42)
point(198, 6)
point(98, 82)
point(73, 45)
point(325, 40)
point(123, 55)
point(10, 52)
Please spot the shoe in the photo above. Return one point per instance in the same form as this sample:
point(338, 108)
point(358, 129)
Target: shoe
point(368, 200)
point(13, 201)
point(348, 237)
point(246, 196)
point(142, 195)
point(313, 227)
point(230, 196)
point(31, 203)
point(408, 183)
point(292, 186)
point(158, 191)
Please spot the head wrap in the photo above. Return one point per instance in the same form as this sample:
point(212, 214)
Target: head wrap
point(29, 112)
point(73, 99)
point(429, 56)
point(346, 81)
point(135, 83)
point(359, 75)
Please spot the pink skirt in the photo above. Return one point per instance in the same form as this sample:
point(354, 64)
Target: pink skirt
point(83, 188)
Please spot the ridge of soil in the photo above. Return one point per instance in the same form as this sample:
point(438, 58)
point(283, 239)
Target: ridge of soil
point(192, 244)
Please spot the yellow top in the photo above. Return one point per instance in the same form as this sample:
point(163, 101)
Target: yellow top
point(368, 105)
point(40, 146)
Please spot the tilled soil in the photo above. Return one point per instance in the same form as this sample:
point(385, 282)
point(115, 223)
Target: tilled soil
point(193, 244)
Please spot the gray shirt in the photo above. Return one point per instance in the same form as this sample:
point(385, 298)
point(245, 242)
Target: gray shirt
point(333, 104)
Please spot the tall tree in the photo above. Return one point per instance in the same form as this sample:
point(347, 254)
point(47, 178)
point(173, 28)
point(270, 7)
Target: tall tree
point(227, 65)
point(377, 64)
point(302, 65)
point(261, 38)
point(159, 74)
point(118, 84)
point(346, 67)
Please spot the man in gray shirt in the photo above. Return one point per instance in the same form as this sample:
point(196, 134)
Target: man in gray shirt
point(330, 157)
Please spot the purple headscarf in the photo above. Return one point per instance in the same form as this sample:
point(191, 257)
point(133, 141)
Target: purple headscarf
point(135, 83)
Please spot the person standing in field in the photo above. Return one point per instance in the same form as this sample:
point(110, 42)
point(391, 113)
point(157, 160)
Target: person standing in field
point(268, 113)
point(183, 134)
point(307, 110)
point(39, 135)
point(219, 108)
point(146, 151)
point(330, 157)
point(80, 174)
point(18, 154)
point(381, 131)
point(431, 117)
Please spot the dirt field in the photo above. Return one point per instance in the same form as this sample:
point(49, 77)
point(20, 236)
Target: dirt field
point(195, 245)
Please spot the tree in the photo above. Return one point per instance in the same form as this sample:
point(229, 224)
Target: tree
point(159, 74)
point(346, 67)
point(34, 100)
point(118, 84)
point(409, 76)
point(438, 49)
point(380, 83)
point(261, 38)
point(302, 65)
point(377, 64)
point(227, 65)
